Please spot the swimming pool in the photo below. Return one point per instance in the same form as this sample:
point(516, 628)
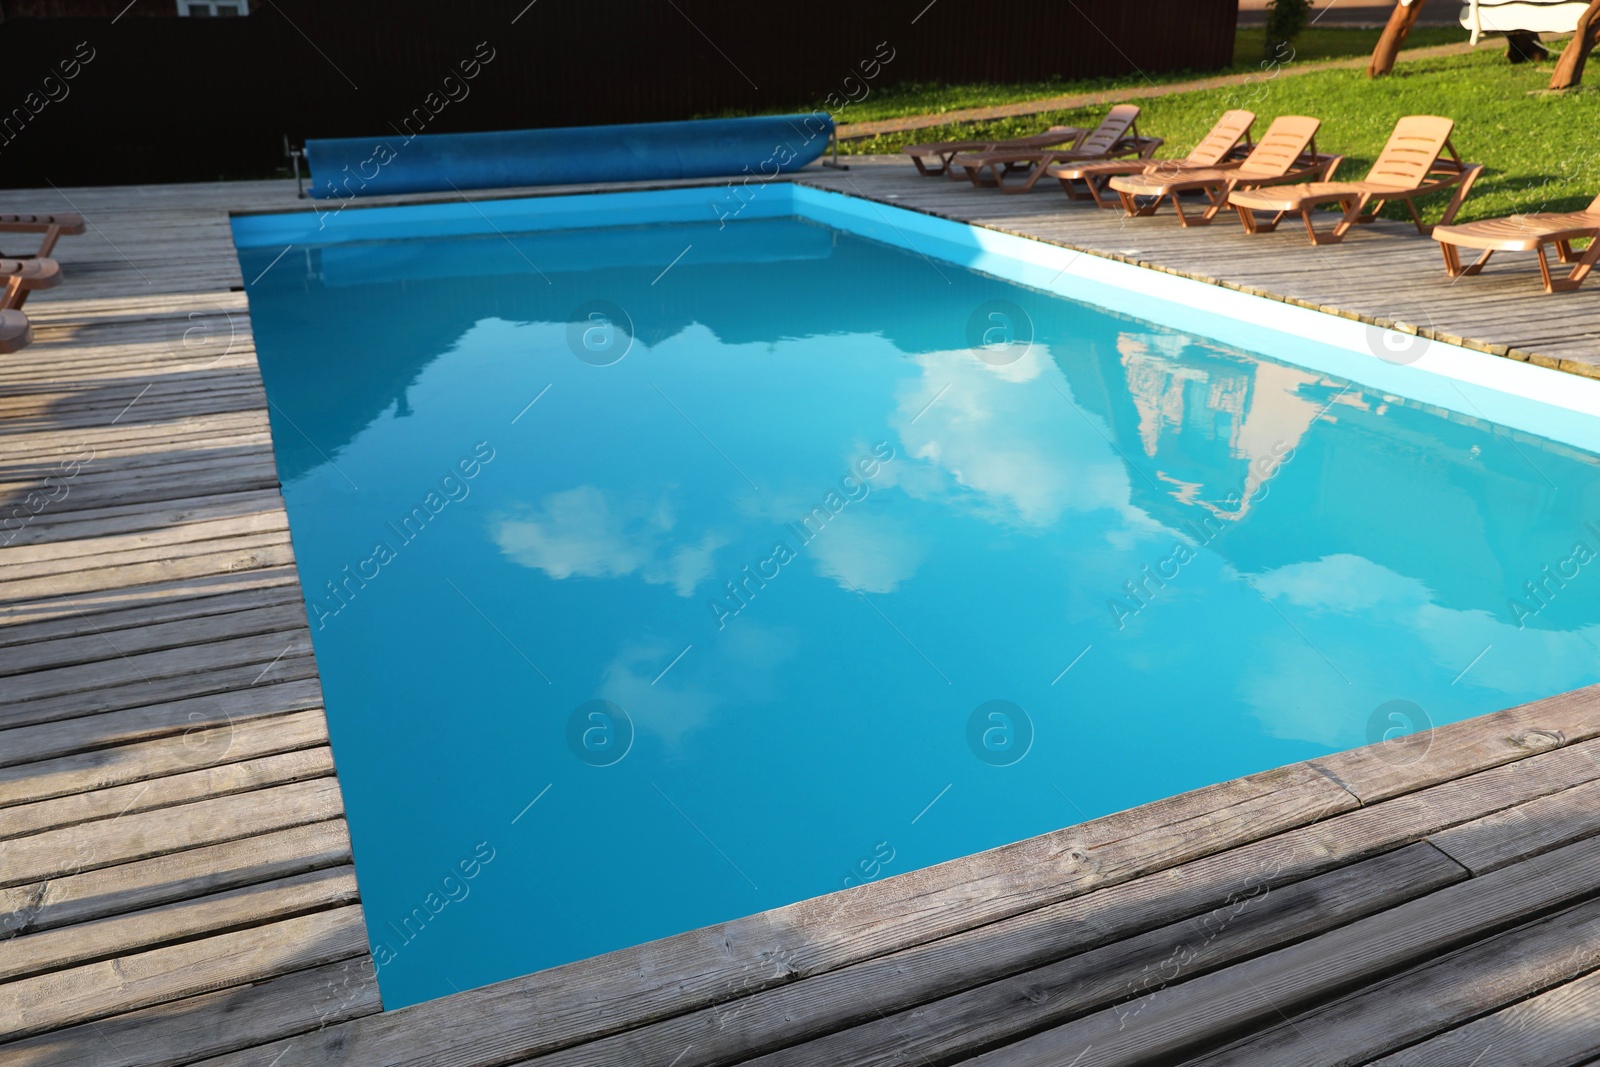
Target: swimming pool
point(668, 564)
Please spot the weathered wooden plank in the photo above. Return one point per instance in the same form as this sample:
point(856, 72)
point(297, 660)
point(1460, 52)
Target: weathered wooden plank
point(132, 359)
point(632, 987)
point(123, 800)
point(97, 644)
point(70, 571)
point(164, 401)
point(96, 990)
point(122, 840)
point(76, 898)
point(293, 662)
point(30, 744)
point(1422, 1002)
point(1187, 1016)
point(1323, 844)
point(1338, 275)
point(256, 905)
point(127, 625)
point(1557, 1028)
point(1394, 767)
point(224, 474)
point(124, 518)
point(1493, 841)
point(87, 552)
point(132, 439)
point(198, 747)
point(995, 1003)
point(88, 605)
point(24, 416)
point(223, 562)
point(211, 1024)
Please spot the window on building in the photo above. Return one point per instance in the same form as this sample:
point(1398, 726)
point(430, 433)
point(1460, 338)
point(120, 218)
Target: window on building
point(213, 8)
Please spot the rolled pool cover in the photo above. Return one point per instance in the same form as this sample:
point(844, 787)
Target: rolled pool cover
point(760, 147)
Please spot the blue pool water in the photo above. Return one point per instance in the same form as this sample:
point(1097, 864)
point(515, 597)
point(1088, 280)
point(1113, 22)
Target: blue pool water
point(811, 560)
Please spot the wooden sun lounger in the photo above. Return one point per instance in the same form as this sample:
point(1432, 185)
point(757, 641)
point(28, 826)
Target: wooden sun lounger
point(1287, 152)
point(1225, 146)
point(1117, 135)
point(54, 227)
point(1409, 166)
point(1527, 233)
point(22, 276)
point(925, 155)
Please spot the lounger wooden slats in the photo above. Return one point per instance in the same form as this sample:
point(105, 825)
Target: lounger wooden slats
point(1528, 233)
point(1287, 152)
point(1227, 145)
point(933, 159)
point(1417, 161)
point(54, 227)
point(1117, 135)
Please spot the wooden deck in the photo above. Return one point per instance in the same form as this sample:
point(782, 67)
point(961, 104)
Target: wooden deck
point(1382, 273)
point(175, 875)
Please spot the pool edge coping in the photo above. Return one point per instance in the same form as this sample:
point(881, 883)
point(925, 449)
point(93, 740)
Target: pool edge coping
point(804, 177)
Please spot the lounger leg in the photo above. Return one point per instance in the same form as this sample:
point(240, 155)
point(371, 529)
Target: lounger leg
point(1134, 210)
point(1422, 227)
point(1177, 205)
point(51, 236)
point(1069, 187)
point(1586, 263)
point(1263, 227)
point(1217, 199)
point(15, 294)
point(1039, 170)
point(1452, 259)
point(1352, 214)
point(1544, 270)
point(1564, 251)
point(1311, 229)
point(1247, 218)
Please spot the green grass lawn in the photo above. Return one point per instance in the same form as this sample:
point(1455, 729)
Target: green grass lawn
point(1316, 43)
point(1541, 151)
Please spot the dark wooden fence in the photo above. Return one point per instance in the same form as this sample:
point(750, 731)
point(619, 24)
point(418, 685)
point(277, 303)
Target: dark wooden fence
point(168, 99)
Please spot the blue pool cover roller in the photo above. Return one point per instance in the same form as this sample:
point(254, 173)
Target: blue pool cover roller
point(759, 147)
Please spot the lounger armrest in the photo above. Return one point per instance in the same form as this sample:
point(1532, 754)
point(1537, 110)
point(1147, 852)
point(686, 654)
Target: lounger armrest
point(69, 224)
point(30, 273)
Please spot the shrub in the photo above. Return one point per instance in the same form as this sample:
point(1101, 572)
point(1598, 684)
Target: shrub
point(1285, 20)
